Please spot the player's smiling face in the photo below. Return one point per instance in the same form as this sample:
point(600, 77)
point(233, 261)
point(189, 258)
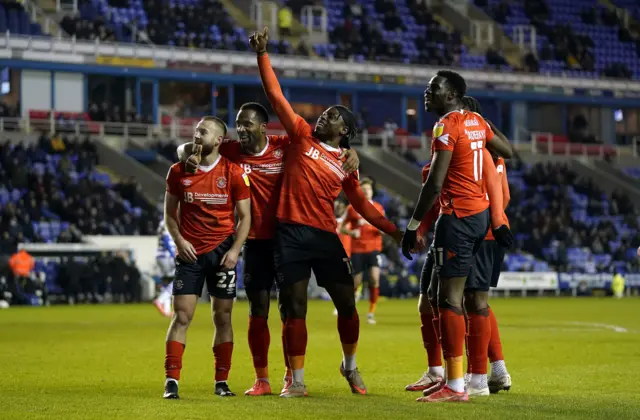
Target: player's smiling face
point(436, 95)
point(208, 134)
point(329, 125)
point(248, 127)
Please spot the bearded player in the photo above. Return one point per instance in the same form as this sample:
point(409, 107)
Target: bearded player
point(366, 245)
point(484, 337)
point(306, 236)
point(262, 158)
point(199, 213)
point(455, 179)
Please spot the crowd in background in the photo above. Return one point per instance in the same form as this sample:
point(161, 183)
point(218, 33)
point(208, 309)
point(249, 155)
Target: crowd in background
point(55, 180)
point(209, 26)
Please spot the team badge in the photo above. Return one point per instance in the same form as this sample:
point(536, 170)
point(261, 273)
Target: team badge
point(186, 182)
point(178, 284)
point(221, 182)
point(438, 129)
point(277, 153)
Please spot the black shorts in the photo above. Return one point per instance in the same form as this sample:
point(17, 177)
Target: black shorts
point(457, 241)
point(190, 277)
point(363, 262)
point(300, 249)
point(259, 267)
point(498, 258)
point(427, 272)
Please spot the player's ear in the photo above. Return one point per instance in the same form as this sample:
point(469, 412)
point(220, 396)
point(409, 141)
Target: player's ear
point(344, 130)
point(263, 128)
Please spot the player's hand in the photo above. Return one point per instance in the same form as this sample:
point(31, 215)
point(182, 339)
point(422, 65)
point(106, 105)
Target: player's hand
point(186, 251)
point(409, 242)
point(192, 162)
point(397, 236)
point(352, 161)
point(355, 233)
point(230, 259)
point(421, 244)
point(259, 41)
point(503, 236)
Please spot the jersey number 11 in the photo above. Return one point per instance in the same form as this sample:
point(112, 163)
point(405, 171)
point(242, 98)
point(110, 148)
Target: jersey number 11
point(476, 146)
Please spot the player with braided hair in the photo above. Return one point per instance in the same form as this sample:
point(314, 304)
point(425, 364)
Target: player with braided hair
point(306, 235)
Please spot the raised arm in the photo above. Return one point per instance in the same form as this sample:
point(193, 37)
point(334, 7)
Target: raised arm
point(270, 83)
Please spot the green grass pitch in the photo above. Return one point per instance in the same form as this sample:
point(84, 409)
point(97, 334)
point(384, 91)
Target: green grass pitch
point(95, 362)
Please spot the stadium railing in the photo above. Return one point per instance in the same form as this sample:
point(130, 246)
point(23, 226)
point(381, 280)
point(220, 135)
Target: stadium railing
point(182, 130)
point(175, 129)
point(553, 144)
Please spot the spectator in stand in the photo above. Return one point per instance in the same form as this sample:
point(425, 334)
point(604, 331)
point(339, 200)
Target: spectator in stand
point(579, 131)
point(353, 10)
point(531, 62)
point(495, 59)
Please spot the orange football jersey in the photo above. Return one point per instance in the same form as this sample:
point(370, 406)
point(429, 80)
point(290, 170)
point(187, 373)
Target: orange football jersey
point(265, 170)
point(465, 135)
point(370, 239)
point(207, 201)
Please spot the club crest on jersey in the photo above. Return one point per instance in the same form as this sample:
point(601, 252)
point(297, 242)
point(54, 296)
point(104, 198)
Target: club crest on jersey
point(438, 129)
point(186, 182)
point(221, 182)
point(277, 153)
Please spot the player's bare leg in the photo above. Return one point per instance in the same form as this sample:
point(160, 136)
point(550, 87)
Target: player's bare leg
point(259, 340)
point(184, 309)
point(294, 299)
point(222, 344)
point(349, 330)
point(477, 308)
point(374, 293)
point(500, 378)
point(433, 379)
point(288, 375)
point(452, 330)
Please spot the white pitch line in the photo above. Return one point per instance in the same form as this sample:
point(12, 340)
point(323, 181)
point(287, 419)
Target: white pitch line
point(615, 328)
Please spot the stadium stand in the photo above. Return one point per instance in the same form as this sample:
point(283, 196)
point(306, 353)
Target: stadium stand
point(14, 18)
point(53, 192)
point(573, 36)
point(64, 195)
point(633, 172)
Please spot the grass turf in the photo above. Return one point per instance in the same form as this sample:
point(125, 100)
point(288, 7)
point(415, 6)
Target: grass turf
point(94, 362)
